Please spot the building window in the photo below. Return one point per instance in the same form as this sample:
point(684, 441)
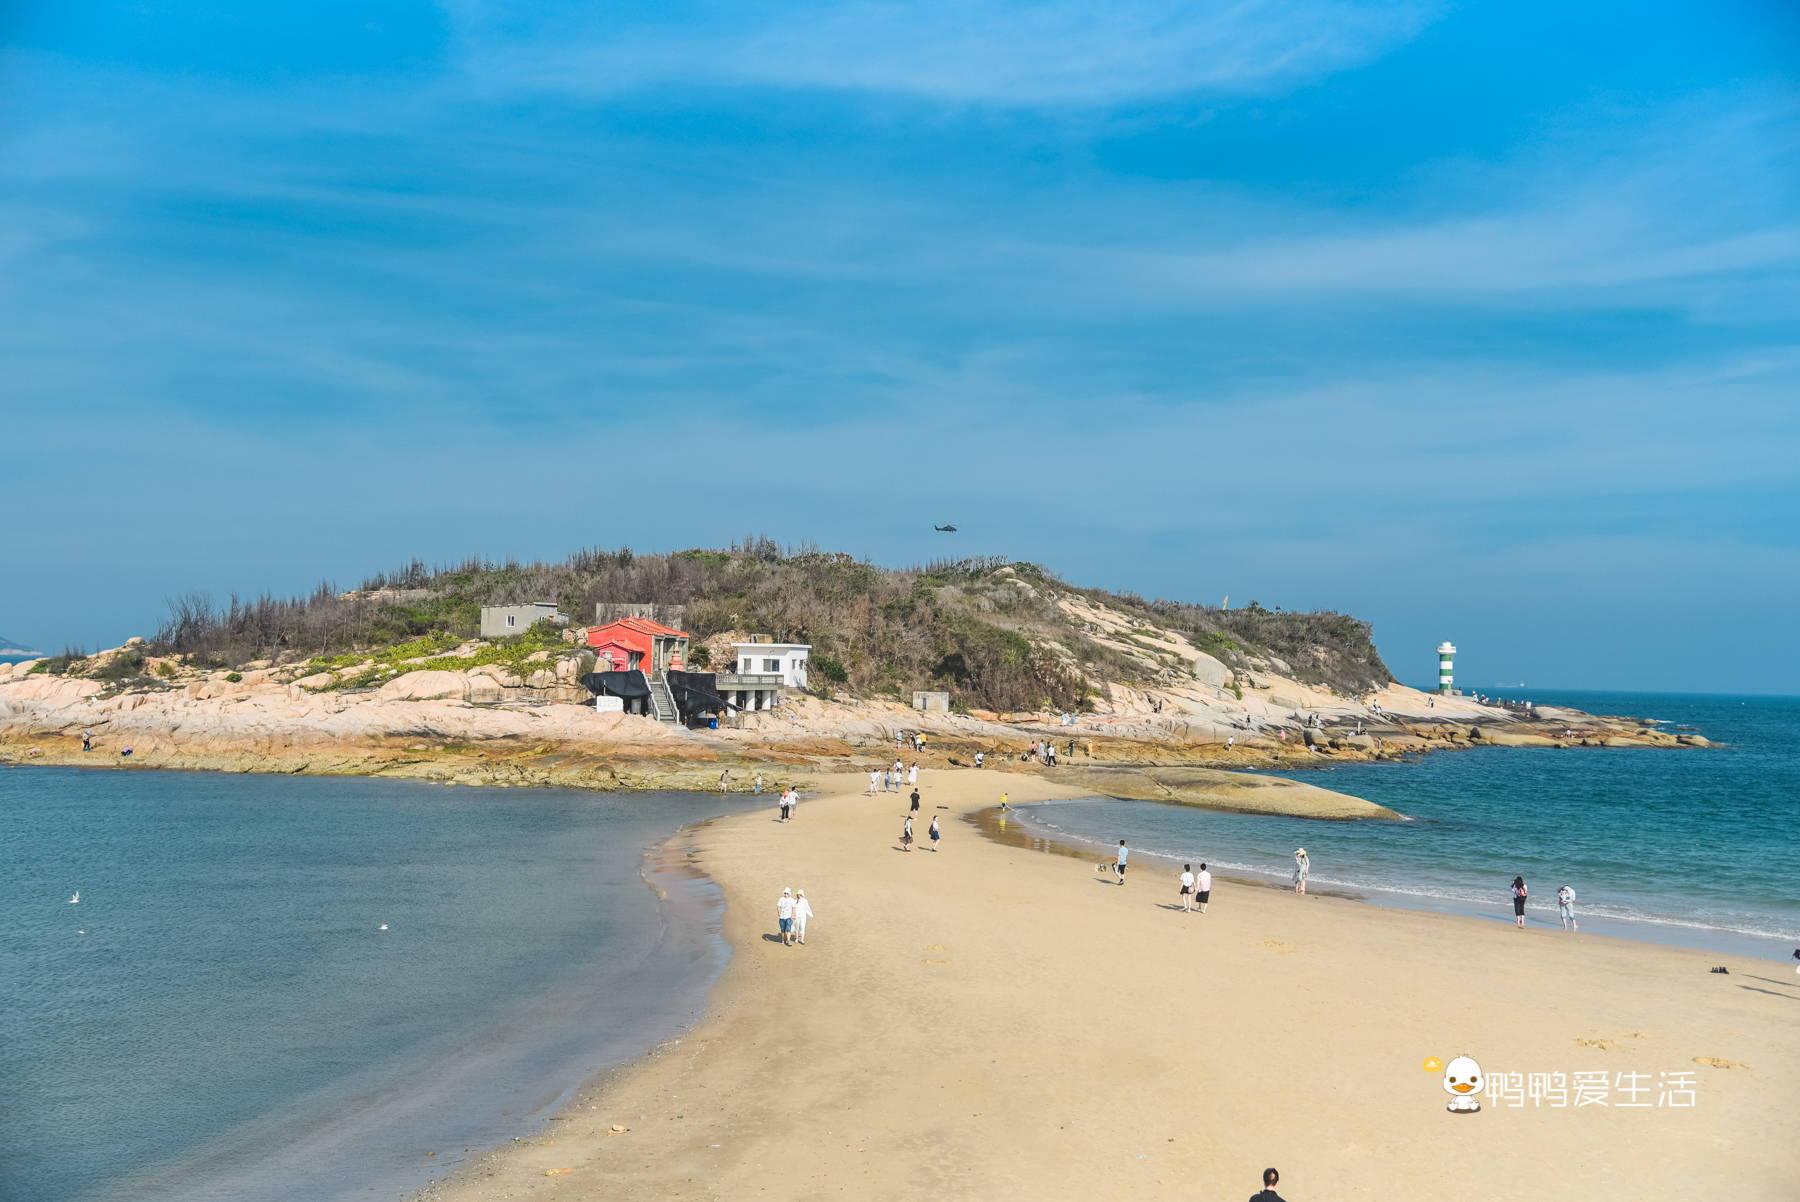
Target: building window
point(771, 665)
point(512, 619)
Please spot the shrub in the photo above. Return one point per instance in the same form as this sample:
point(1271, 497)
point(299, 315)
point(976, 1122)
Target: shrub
point(829, 668)
point(234, 677)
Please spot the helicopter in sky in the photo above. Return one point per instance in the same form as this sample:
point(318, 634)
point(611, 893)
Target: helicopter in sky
point(943, 529)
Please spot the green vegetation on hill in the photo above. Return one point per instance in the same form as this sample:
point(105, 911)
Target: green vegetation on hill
point(989, 631)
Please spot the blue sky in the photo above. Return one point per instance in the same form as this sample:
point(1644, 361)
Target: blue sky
point(1481, 321)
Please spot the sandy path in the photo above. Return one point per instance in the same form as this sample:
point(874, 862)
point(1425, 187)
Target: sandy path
point(990, 1022)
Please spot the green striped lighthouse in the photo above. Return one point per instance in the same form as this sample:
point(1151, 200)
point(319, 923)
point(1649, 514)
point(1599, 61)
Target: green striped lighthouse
point(1446, 654)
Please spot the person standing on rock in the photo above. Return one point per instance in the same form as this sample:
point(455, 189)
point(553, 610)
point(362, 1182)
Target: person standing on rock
point(87, 740)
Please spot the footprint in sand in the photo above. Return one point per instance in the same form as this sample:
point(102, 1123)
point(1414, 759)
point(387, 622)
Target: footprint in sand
point(1280, 947)
point(934, 961)
point(1719, 1062)
point(1605, 1045)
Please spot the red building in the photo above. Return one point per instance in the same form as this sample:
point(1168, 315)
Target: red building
point(638, 644)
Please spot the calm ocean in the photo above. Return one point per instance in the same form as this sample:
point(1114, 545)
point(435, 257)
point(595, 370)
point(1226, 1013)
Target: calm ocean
point(234, 1024)
point(1693, 847)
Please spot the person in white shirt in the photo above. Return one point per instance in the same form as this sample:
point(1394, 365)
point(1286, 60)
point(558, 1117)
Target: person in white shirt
point(899, 774)
point(979, 756)
point(784, 913)
point(802, 911)
point(1565, 903)
point(874, 781)
point(912, 775)
point(1187, 887)
point(1203, 888)
point(935, 833)
point(786, 803)
point(906, 835)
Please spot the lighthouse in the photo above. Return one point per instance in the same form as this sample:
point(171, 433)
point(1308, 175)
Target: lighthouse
point(1446, 654)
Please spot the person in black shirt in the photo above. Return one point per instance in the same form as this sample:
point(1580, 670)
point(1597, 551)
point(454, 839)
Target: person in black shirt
point(1268, 1194)
point(915, 801)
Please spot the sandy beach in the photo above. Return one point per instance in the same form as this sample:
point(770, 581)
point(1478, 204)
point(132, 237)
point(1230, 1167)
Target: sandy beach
point(990, 1021)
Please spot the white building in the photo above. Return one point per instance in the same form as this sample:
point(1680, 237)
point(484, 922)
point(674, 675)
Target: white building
point(787, 660)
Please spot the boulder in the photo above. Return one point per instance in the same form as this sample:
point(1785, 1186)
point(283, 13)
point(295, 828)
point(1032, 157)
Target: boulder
point(1210, 672)
point(484, 689)
point(1693, 740)
point(543, 678)
point(317, 680)
point(425, 686)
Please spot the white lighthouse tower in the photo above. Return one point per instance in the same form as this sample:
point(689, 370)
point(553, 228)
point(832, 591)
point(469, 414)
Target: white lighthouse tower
point(1446, 656)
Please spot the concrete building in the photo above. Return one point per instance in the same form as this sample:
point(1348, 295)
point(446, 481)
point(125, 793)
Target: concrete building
point(787, 660)
point(638, 644)
point(499, 621)
point(931, 702)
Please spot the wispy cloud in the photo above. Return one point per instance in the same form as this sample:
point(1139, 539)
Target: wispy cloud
point(999, 52)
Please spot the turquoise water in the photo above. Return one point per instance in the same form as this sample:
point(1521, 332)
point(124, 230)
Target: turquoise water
point(234, 1025)
point(1693, 847)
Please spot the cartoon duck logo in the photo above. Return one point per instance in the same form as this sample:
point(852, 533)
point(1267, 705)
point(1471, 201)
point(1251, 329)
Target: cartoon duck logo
point(1462, 1081)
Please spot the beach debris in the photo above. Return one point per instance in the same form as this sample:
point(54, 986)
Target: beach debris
point(76, 900)
point(383, 926)
point(1604, 1045)
point(557, 1172)
point(615, 1129)
point(1719, 1062)
point(1280, 947)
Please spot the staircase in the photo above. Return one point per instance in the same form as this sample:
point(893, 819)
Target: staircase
point(662, 701)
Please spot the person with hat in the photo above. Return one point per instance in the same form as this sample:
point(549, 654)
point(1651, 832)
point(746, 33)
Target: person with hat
point(1302, 866)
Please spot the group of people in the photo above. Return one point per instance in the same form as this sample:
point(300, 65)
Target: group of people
point(791, 912)
point(790, 801)
point(1565, 904)
point(906, 829)
point(890, 780)
point(917, 741)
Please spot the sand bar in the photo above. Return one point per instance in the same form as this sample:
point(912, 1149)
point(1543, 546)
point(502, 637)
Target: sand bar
point(991, 1022)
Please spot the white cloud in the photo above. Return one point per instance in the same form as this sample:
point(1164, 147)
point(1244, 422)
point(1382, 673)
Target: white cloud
point(965, 51)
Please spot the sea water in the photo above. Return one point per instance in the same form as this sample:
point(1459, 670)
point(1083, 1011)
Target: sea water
point(223, 1017)
point(1698, 847)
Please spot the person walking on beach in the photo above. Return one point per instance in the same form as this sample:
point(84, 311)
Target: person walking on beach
point(1302, 866)
point(1267, 1192)
point(1203, 888)
point(912, 774)
point(1119, 864)
point(1519, 893)
point(793, 802)
point(1565, 905)
point(914, 808)
point(906, 835)
point(759, 784)
point(725, 781)
point(899, 774)
point(935, 833)
point(802, 912)
point(874, 780)
point(1187, 887)
point(787, 805)
point(784, 915)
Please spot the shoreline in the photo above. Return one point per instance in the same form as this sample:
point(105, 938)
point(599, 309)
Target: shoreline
point(1711, 940)
point(900, 1053)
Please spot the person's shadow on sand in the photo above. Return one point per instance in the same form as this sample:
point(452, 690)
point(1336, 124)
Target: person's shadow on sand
point(771, 938)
